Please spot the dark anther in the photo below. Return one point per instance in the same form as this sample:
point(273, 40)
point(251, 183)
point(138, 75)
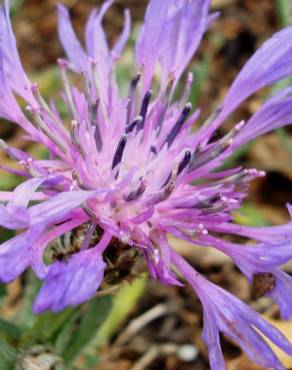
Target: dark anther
point(208, 202)
point(185, 161)
point(136, 193)
point(97, 137)
point(153, 149)
point(144, 109)
point(97, 134)
point(135, 82)
point(119, 151)
point(132, 90)
point(133, 124)
point(178, 125)
point(215, 198)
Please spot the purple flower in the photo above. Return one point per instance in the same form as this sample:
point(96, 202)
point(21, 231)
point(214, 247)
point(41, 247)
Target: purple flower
point(123, 172)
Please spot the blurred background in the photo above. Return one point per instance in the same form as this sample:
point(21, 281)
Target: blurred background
point(150, 326)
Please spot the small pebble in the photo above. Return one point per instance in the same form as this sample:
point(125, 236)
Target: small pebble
point(188, 352)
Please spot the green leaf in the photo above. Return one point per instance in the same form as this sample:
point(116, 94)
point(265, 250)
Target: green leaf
point(7, 355)
point(124, 303)
point(249, 215)
point(96, 312)
point(65, 334)
point(286, 143)
point(9, 181)
point(3, 290)
point(25, 317)
point(9, 330)
point(45, 328)
point(15, 6)
point(284, 8)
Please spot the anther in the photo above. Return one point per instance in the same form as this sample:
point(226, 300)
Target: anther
point(153, 149)
point(134, 83)
point(132, 89)
point(178, 125)
point(171, 183)
point(132, 125)
point(42, 103)
point(185, 161)
point(119, 151)
point(187, 89)
point(66, 85)
point(144, 109)
point(137, 193)
point(209, 202)
point(74, 137)
point(63, 63)
point(183, 164)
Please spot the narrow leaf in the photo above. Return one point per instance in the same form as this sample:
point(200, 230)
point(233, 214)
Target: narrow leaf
point(9, 330)
point(7, 355)
point(95, 315)
point(46, 328)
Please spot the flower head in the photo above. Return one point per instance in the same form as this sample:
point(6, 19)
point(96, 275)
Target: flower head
point(126, 171)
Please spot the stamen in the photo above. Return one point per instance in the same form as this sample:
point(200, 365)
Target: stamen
point(207, 203)
point(187, 90)
point(134, 84)
point(165, 192)
point(78, 181)
point(166, 98)
point(74, 138)
point(233, 132)
point(86, 86)
point(88, 210)
point(144, 109)
point(99, 87)
point(44, 106)
point(119, 151)
point(63, 64)
point(200, 159)
point(88, 237)
point(252, 174)
point(153, 149)
point(132, 125)
point(186, 160)
point(178, 125)
point(171, 183)
point(214, 209)
point(42, 103)
point(93, 108)
point(40, 124)
point(234, 179)
point(132, 90)
point(137, 193)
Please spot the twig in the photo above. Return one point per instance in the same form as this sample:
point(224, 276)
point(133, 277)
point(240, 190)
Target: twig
point(152, 353)
point(137, 324)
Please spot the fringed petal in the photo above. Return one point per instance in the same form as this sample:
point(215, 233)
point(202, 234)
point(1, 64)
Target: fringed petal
point(71, 45)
